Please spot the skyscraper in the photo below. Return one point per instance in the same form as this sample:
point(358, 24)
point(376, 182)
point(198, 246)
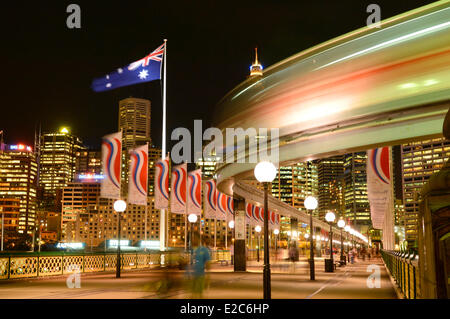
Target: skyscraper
point(134, 121)
point(57, 162)
point(294, 183)
point(88, 162)
point(331, 185)
point(154, 154)
point(419, 161)
point(18, 180)
point(357, 208)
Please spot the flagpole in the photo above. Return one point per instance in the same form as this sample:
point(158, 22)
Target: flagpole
point(162, 222)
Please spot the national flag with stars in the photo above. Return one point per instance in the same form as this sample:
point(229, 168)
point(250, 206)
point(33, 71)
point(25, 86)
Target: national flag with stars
point(144, 70)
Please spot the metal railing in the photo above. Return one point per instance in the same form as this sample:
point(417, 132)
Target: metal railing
point(403, 267)
point(31, 265)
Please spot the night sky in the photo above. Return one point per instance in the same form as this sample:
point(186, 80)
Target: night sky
point(47, 68)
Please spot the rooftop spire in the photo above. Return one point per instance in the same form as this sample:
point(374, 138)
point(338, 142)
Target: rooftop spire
point(256, 68)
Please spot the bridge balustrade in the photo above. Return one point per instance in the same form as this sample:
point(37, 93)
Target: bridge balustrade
point(29, 265)
point(403, 267)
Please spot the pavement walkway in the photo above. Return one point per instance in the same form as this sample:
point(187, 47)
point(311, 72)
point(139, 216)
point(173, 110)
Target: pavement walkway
point(348, 282)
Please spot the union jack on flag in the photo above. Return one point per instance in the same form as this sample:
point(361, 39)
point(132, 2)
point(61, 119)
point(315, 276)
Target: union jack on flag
point(143, 70)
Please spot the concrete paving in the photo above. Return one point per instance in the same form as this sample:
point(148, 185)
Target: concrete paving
point(348, 282)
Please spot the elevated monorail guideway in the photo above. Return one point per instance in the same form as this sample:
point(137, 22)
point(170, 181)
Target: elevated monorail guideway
point(371, 87)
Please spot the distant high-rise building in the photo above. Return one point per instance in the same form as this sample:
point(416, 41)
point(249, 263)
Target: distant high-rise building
point(18, 180)
point(57, 162)
point(77, 198)
point(134, 121)
point(154, 154)
point(419, 161)
point(88, 162)
point(9, 214)
point(331, 185)
point(294, 183)
point(99, 223)
point(357, 208)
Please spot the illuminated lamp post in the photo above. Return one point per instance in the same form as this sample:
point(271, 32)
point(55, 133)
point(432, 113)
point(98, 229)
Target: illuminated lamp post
point(119, 207)
point(341, 225)
point(329, 266)
point(192, 218)
point(231, 225)
point(311, 204)
point(265, 172)
point(258, 230)
point(276, 232)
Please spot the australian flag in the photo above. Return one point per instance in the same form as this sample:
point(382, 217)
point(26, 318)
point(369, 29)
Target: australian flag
point(144, 70)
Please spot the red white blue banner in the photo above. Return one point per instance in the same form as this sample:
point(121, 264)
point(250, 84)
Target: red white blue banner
point(111, 165)
point(195, 192)
point(178, 189)
point(210, 194)
point(138, 176)
point(221, 211)
point(255, 215)
point(379, 185)
point(248, 213)
point(230, 208)
point(162, 184)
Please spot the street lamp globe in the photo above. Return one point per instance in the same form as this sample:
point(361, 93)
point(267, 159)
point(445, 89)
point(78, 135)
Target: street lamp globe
point(276, 231)
point(258, 228)
point(231, 224)
point(192, 218)
point(306, 236)
point(329, 217)
point(347, 228)
point(120, 206)
point(341, 223)
point(310, 202)
point(265, 172)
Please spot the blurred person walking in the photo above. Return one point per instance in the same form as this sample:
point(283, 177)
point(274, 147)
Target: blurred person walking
point(201, 259)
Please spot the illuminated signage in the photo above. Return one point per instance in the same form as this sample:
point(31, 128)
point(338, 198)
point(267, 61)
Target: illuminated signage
point(90, 176)
point(20, 147)
point(70, 245)
point(115, 242)
point(150, 244)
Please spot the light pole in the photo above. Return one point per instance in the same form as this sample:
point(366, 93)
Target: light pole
point(265, 172)
point(311, 204)
point(276, 232)
point(341, 225)
point(347, 229)
point(231, 225)
point(119, 207)
point(258, 230)
point(192, 218)
point(329, 266)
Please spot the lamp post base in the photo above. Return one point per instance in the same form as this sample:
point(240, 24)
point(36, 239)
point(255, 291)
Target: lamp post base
point(266, 282)
point(329, 265)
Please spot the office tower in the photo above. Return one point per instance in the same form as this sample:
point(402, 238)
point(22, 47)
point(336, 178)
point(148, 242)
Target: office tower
point(134, 121)
point(419, 161)
point(99, 223)
point(57, 163)
point(88, 162)
point(77, 198)
point(330, 185)
point(9, 217)
point(154, 154)
point(18, 179)
point(357, 209)
point(294, 183)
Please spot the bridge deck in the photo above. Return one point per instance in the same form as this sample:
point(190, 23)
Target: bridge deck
point(347, 282)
